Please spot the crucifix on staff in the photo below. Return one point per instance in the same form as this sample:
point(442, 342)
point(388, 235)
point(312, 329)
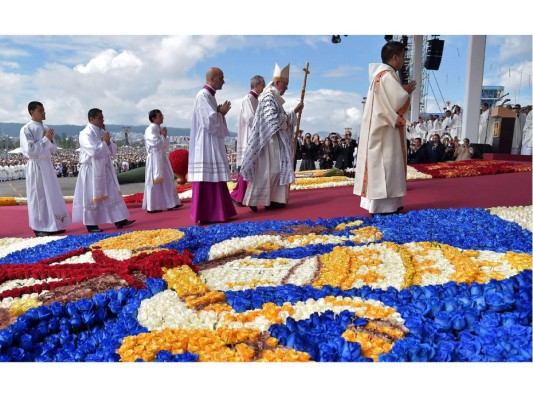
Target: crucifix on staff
point(299, 116)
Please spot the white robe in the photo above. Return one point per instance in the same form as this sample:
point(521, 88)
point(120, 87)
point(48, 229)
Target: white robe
point(436, 129)
point(483, 127)
point(429, 125)
point(527, 139)
point(420, 131)
point(208, 160)
point(47, 211)
point(446, 125)
point(456, 128)
point(380, 174)
point(246, 118)
point(267, 164)
point(518, 132)
point(97, 197)
point(159, 187)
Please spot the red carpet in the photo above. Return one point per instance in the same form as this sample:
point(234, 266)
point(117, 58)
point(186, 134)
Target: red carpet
point(513, 189)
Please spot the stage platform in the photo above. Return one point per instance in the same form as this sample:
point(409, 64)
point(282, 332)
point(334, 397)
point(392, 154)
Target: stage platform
point(511, 189)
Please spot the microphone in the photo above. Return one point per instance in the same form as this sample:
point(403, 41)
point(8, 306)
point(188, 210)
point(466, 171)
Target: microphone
point(501, 97)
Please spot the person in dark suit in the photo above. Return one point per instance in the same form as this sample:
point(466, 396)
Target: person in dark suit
point(325, 154)
point(352, 144)
point(308, 154)
point(434, 151)
point(416, 152)
point(340, 154)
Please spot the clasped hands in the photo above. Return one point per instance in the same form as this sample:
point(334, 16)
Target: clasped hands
point(224, 108)
point(106, 138)
point(50, 134)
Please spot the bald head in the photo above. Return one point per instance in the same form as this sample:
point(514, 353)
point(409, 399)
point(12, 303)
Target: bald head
point(214, 77)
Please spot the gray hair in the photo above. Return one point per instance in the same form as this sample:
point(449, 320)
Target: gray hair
point(256, 80)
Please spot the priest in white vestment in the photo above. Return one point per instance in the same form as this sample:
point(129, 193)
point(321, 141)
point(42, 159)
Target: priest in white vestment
point(456, 127)
point(97, 197)
point(159, 187)
point(380, 174)
point(437, 129)
point(429, 126)
point(527, 139)
point(421, 129)
point(208, 161)
point(484, 124)
point(246, 118)
point(47, 211)
point(518, 132)
point(268, 161)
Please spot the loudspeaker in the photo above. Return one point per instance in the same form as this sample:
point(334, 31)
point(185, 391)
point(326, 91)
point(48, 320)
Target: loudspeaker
point(434, 54)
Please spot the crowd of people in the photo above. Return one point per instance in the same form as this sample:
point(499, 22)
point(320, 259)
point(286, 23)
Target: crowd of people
point(66, 163)
point(13, 168)
point(333, 151)
point(437, 150)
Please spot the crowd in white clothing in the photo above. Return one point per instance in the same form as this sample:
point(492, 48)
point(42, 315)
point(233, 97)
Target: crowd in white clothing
point(12, 170)
point(449, 127)
point(446, 126)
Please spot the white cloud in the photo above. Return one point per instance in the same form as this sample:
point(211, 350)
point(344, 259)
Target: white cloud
point(9, 64)
point(516, 80)
point(108, 61)
point(328, 110)
point(512, 46)
point(12, 52)
point(343, 71)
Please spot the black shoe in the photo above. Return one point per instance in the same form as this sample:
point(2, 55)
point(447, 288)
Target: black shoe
point(41, 233)
point(57, 232)
point(123, 223)
point(398, 211)
point(175, 207)
point(275, 205)
point(237, 203)
point(154, 211)
point(93, 229)
point(253, 208)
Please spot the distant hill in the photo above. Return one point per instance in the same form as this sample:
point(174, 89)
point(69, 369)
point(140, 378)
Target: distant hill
point(12, 129)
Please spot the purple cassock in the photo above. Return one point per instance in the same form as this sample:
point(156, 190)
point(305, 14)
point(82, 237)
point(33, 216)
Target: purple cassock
point(238, 193)
point(205, 196)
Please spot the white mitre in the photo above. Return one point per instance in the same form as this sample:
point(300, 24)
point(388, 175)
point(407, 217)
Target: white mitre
point(278, 75)
point(281, 74)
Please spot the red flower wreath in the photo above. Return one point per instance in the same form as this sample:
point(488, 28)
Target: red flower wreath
point(179, 160)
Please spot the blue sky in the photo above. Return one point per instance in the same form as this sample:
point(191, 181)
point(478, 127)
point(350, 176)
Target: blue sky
point(127, 75)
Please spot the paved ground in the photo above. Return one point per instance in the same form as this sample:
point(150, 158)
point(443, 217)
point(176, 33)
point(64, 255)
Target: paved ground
point(18, 188)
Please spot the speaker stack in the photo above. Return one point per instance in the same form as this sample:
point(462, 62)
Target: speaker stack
point(435, 48)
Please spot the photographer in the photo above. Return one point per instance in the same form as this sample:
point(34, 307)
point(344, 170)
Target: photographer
point(464, 151)
point(450, 146)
